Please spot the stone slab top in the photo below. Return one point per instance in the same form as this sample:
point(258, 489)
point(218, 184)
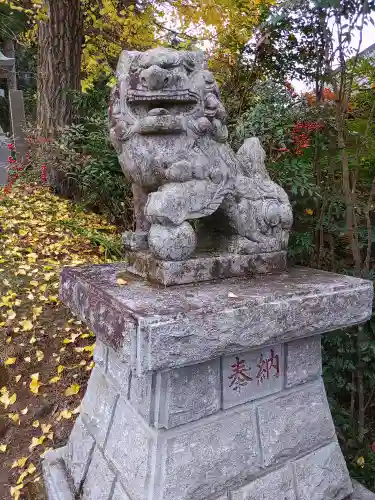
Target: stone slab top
point(185, 324)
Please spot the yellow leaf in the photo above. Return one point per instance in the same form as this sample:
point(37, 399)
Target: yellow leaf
point(15, 490)
point(43, 287)
point(60, 369)
point(35, 384)
point(54, 380)
point(31, 469)
point(3, 390)
point(32, 340)
point(8, 400)
point(66, 414)
point(50, 436)
point(52, 298)
point(120, 281)
point(25, 410)
point(18, 378)
point(89, 348)
point(15, 417)
point(34, 283)
point(12, 399)
point(46, 428)
point(72, 390)
point(26, 325)
point(361, 461)
point(10, 361)
point(37, 311)
point(35, 424)
point(36, 442)
point(19, 463)
point(39, 355)
point(11, 314)
point(3, 448)
point(22, 477)
point(32, 256)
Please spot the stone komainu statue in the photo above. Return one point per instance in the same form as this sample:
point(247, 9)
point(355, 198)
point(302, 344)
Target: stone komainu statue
point(168, 126)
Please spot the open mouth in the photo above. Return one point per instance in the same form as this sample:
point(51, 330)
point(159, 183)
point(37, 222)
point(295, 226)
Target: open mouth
point(143, 103)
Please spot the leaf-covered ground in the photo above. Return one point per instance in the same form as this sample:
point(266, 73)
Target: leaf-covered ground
point(45, 352)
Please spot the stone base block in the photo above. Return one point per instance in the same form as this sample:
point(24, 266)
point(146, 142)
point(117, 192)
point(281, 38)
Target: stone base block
point(59, 485)
point(204, 267)
point(209, 391)
point(361, 493)
point(56, 479)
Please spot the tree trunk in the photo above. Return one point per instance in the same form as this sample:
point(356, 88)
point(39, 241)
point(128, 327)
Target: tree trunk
point(59, 64)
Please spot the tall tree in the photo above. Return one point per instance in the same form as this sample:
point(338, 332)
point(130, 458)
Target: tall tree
point(80, 40)
point(59, 63)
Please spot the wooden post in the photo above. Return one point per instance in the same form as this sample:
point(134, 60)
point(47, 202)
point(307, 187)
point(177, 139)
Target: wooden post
point(17, 114)
point(9, 51)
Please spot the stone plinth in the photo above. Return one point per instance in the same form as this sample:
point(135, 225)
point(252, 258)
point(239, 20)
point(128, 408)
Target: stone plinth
point(204, 267)
point(206, 392)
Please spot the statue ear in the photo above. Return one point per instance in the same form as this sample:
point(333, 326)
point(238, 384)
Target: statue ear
point(201, 59)
point(125, 60)
point(194, 59)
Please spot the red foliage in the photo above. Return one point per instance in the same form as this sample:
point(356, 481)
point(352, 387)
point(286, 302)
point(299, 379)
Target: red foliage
point(301, 133)
point(15, 170)
point(43, 175)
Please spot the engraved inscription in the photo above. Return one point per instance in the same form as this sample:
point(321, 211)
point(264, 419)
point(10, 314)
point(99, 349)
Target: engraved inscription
point(251, 375)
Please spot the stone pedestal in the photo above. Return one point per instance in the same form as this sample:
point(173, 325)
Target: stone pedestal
point(207, 392)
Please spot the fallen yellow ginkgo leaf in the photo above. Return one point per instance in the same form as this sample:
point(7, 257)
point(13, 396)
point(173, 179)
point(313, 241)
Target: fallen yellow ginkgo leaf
point(10, 361)
point(36, 442)
point(72, 390)
point(121, 281)
point(39, 355)
point(26, 325)
point(15, 417)
point(66, 414)
point(19, 463)
point(35, 383)
point(8, 400)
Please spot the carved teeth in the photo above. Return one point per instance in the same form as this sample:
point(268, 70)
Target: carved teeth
point(134, 95)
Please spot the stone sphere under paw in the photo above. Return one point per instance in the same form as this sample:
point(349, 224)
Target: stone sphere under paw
point(172, 242)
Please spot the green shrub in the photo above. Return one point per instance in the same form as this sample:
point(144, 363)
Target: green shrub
point(82, 163)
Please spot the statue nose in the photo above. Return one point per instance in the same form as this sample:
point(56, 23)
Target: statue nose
point(155, 78)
